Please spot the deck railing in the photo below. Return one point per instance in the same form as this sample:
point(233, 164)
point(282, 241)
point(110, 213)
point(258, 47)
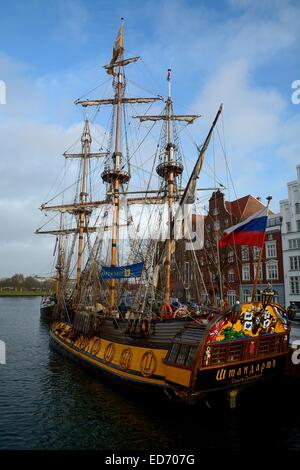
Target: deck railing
point(240, 350)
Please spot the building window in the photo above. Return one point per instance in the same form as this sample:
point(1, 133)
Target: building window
point(245, 253)
point(295, 285)
point(288, 226)
point(216, 211)
point(294, 243)
point(260, 274)
point(270, 237)
point(271, 250)
point(246, 295)
point(294, 263)
point(298, 225)
point(274, 221)
point(272, 270)
point(256, 252)
point(231, 257)
point(231, 297)
point(226, 222)
point(231, 275)
point(297, 208)
point(246, 272)
point(258, 294)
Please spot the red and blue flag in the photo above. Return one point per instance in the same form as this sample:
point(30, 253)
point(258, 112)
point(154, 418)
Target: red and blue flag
point(249, 232)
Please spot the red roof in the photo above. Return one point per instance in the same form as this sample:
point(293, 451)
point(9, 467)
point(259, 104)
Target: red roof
point(244, 206)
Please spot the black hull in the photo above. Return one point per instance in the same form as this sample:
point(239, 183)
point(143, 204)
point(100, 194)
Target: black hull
point(47, 312)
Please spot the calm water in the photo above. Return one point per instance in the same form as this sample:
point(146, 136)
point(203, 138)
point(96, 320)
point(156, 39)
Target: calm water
point(48, 402)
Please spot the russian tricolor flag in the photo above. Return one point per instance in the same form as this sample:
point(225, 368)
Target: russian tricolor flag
point(249, 232)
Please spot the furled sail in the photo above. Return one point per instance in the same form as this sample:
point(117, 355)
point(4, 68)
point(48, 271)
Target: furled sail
point(189, 118)
point(183, 219)
point(121, 63)
point(114, 101)
point(189, 194)
point(179, 229)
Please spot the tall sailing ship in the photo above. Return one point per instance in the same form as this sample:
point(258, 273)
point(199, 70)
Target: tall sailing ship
point(112, 308)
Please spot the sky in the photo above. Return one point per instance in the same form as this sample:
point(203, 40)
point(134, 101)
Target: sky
point(243, 53)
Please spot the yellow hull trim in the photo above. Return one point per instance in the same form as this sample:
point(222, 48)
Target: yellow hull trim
point(147, 358)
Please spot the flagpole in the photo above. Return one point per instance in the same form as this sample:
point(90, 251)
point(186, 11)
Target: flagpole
point(269, 199)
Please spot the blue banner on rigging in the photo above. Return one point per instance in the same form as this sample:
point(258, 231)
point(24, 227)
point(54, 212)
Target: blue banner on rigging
point(122, 272)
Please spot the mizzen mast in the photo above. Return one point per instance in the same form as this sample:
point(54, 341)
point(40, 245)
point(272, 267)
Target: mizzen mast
point(169, 169)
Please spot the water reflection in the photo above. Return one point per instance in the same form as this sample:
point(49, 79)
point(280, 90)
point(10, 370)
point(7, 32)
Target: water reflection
point(49, 402)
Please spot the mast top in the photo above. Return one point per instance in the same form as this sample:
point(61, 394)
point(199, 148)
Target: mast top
point(169, 83)
point(86, 135)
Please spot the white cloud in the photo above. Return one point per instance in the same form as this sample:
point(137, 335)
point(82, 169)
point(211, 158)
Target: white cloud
point(262, 143)
point(72, 21)
point(216, 56)
point(252, 113)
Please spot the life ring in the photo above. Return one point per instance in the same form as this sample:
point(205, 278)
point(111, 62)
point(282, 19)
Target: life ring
point(181, 312)
point(166, 311)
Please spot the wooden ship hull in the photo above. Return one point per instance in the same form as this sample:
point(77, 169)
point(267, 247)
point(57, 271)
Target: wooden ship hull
point(186, 358)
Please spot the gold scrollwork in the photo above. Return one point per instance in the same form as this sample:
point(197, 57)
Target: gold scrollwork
point(96, 346)
point(148, 363)
point(126, 358)
point(109, 352)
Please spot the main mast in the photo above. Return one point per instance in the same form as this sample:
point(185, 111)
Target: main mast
point(114, 173)
point(115, 177)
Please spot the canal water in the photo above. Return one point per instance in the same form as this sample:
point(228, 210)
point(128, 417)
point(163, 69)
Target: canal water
point(49, 402)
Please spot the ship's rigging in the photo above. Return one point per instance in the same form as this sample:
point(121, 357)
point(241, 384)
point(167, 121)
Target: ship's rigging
point(82, 245)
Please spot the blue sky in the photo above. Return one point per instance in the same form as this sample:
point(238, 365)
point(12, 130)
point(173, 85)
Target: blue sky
point(239, 52)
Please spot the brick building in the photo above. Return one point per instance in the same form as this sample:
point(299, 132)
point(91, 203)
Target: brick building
point(196, 274)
